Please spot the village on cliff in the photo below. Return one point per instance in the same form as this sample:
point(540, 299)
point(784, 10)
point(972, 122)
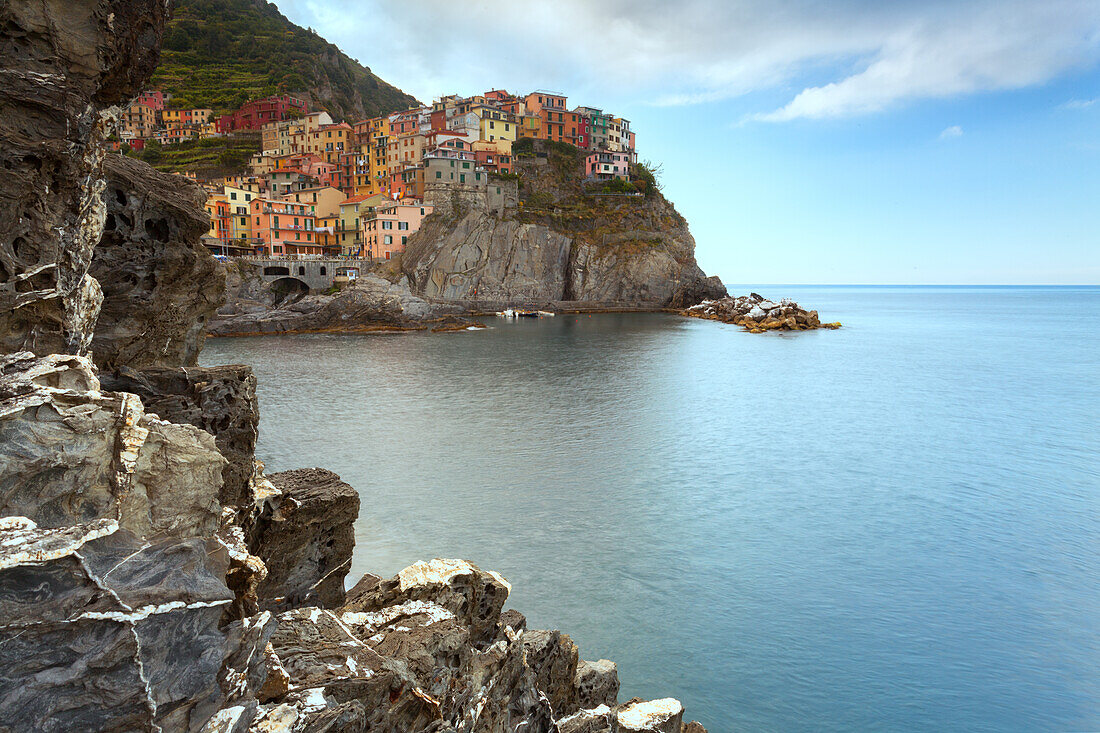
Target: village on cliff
point(319, 187)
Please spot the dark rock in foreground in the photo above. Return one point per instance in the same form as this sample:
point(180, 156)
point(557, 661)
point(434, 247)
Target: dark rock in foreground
point(159, 284)
point(758, 314)
point(306, 541)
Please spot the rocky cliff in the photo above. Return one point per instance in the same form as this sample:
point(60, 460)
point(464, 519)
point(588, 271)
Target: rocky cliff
point(152, 578)
point(554, 240)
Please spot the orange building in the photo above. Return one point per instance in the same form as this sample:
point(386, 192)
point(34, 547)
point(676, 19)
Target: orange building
point(283, 227)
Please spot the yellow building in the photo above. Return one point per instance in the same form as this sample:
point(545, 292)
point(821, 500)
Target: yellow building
point(496, 124)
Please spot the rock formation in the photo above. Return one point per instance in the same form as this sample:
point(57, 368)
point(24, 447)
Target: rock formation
point(371, 303)
point(151, 577)
point(758, 314)
point(63, 64)
point(552, 241)
point(159, 284)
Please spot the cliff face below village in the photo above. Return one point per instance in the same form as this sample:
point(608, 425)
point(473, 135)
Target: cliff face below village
point(152, 578)
point(555, 241)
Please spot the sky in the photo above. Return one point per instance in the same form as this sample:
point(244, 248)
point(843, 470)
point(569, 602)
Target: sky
point(852, 141)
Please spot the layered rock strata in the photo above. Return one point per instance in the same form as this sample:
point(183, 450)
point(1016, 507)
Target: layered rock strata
point(151, 577)
point(63, 64)
point(758, 314)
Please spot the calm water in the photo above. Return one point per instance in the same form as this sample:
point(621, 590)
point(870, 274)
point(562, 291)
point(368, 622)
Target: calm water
point(891, 526)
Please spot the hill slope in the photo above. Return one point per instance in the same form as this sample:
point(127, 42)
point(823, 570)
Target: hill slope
point(221, 53)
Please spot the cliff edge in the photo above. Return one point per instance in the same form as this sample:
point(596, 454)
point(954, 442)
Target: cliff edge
point(542, 236)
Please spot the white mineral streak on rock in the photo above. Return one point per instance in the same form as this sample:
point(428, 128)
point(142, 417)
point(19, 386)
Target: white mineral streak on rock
point(224, 720)
point(131, 435)
point(23, 543)
point(374, 620)
point(500, 579)
point(313, 700)
point(280, 719)
point(439, 571)
point(649, 715)
point(144, 612)
point(585, 714)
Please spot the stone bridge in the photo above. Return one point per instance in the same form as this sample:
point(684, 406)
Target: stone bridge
point(316, 274)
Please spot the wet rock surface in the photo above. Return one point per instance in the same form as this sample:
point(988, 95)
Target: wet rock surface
point(758, 314)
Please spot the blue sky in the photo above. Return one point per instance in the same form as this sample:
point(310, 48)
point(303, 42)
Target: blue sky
point(852, 141)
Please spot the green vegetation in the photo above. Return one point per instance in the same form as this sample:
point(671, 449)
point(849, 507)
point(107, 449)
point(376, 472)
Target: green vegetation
point(503, 176)
point(222, 53)
point(208, 158)
point(616, 185)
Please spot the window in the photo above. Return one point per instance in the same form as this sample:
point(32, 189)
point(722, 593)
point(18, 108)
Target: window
point(276, 221)
point(404, 239)
point(462, 178)
point(301, 270)
point(232, 195)
point(498, 189)
point(466, 166)
point(402, 225)
point(323, 270)
point(387, 239)
point(387, 225)
point(422, 211)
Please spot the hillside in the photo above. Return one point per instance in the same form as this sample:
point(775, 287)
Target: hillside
point(222, 53)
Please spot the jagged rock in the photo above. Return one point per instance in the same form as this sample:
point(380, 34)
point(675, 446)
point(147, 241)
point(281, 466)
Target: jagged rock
point(307, 542)
point(553, 656)
point(597, 683)
point(600, 719)
point(758, 314)
point(63, 63)
point(73, 454)
point(160, 285)
point(220, 400)
point(476, 596)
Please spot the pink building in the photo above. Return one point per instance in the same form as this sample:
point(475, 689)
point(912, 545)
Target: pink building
point(386, 233)
point(150, 98)
point(604, 166)
point(283, 227)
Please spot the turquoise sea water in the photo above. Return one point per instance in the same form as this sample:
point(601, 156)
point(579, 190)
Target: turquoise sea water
point(893, 526)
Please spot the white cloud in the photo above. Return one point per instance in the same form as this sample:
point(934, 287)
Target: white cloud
point(950, 132)
point(866, 55)
point(1080, 103)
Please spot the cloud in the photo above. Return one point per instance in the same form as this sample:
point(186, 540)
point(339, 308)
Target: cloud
point(862, 56)
point(950, 132)
point(1080, 103)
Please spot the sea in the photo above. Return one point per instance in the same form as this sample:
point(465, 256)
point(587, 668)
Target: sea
point(891, 526)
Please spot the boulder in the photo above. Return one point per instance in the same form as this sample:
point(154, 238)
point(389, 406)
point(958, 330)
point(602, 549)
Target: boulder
point(160, 285)
point(63, 64)
point(597, 683)
point(305, 539)
point(651, 716)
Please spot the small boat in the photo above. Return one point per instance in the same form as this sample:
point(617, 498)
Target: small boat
point(527, 314)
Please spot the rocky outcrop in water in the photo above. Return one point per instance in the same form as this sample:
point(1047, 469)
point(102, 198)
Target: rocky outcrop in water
point(553, 241)
point(371, 303)
point(758, 314)
point(140, 542)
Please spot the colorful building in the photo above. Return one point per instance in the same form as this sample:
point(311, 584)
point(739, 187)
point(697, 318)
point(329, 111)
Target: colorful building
point(604, 165)
point(387, 232)
point(283, 227)
point(259, 112)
